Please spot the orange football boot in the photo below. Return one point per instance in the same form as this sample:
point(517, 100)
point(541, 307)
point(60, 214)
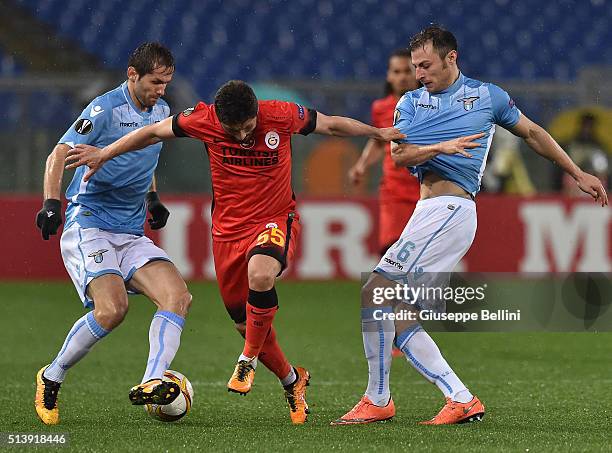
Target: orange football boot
point(367, 412)
point(242, 379)
point(46, 399)
point(295, 394)
point(396, 352)
point(454, 412)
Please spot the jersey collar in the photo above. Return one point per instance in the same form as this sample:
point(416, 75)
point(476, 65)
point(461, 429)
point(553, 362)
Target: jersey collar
point(128, 98)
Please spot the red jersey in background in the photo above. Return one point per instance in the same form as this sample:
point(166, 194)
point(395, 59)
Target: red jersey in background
point(399, 189)
point(397, 182)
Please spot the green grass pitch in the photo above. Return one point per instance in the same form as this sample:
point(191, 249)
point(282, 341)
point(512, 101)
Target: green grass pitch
point(543, 391)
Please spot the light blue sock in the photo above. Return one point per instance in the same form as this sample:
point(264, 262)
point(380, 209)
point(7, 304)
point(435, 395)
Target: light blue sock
point(84, 334)
point(425, 356)
point(377, 344)
point(164, 341)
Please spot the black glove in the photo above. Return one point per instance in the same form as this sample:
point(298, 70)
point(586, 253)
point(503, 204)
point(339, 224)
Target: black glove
point(158, 211)
point(49, 218)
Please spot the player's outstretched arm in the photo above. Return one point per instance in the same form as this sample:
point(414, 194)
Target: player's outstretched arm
point(341, 126)
point(542, 143)
point(409, 155)
point(94, 157)
point(373, 152)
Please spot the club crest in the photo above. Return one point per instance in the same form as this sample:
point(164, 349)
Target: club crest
point(272, 139)
point(468, 103)
point(98, 255)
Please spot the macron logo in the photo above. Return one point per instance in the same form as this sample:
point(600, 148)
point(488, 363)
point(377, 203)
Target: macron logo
point(50, 214)
point(96, 110)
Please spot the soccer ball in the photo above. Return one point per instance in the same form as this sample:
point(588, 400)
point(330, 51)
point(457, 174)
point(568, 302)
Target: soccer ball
point(180, 406)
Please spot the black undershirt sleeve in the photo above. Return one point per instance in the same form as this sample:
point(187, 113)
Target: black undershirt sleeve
point(176, 129)
point(311, 124)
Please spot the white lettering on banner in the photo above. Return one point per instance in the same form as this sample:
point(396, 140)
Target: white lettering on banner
point(318, 240)
point(174, 237)
point(209, 265)
point(547, 224)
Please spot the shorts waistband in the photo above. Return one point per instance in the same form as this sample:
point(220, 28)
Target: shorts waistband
point(444, 200)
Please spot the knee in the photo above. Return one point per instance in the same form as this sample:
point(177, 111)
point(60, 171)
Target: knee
point(178, 302)
point(241, 328)
point(260, 279)
point(184, 302)
point(111, 315)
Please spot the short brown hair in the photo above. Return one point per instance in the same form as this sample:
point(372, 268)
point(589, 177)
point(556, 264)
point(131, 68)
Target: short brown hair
point(442, 40)
point(149, 56)
point(235, 102)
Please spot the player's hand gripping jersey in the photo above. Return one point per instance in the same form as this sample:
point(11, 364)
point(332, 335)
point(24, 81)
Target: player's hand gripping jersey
point(251, 181)
point(467, 107)
point(114, 198)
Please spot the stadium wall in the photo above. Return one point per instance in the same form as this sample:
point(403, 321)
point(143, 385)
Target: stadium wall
point(339, 237)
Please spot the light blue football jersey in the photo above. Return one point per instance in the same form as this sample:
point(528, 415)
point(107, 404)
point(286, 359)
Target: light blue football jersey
point(467, 107)
point(114, 198)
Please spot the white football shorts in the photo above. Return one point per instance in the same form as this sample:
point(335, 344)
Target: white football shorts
point(90, 252)
point(439, 233)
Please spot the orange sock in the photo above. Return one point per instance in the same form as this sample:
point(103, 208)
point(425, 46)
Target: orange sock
point(258, 325)
point(273, 357)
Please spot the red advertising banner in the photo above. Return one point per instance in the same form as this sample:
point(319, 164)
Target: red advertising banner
point(338, 239)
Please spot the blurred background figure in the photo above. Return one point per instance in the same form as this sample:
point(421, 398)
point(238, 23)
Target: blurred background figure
point(399, 189)
point(588, 152)
point(506, 172)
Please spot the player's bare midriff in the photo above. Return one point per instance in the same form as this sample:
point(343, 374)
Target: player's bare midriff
point(435, 186)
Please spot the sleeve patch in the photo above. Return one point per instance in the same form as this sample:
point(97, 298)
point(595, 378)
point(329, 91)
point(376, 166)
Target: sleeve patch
point(300, 111)
point(396, 116)
point(83, 126)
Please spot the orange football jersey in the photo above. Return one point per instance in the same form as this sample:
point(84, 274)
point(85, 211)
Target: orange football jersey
point(251, 181)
